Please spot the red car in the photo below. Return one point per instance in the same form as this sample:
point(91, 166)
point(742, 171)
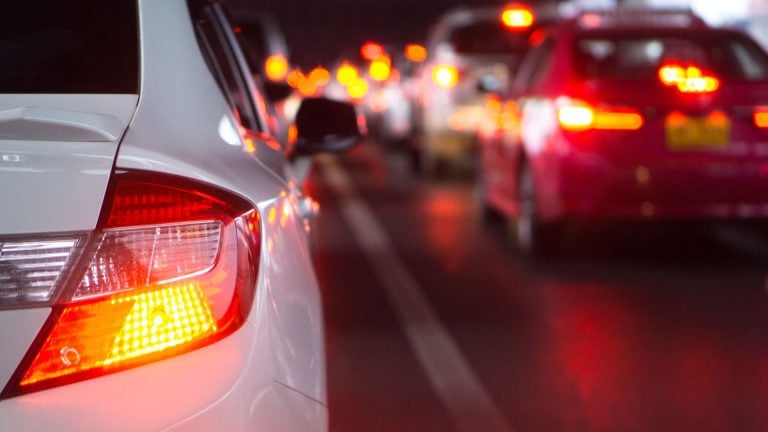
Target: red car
point(629, 115)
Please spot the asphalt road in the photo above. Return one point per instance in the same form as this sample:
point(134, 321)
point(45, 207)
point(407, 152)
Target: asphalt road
point(435, 322)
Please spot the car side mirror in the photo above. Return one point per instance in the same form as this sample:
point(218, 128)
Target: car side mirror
point(324, 125)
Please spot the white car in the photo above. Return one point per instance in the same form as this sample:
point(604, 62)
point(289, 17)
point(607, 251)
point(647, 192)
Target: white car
point(154, 266)
point(473, 51)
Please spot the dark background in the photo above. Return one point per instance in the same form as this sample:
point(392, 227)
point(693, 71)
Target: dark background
point(319, 31)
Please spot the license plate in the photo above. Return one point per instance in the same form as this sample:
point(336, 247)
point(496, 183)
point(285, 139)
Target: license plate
point(693, 133)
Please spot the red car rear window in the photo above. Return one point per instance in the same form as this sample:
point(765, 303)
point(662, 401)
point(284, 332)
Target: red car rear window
point(730, 56)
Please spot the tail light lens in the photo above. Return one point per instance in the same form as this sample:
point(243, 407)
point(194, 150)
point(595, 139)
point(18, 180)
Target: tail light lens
point(760, 116)
point(445, 76)
point(172, 268)
point(688, 79)
point(576, 116)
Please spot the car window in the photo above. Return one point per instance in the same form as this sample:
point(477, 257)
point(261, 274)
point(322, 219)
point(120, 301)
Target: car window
point(639, 57)
point(535, 66)
point(488, 37)
point(221, 60)
point(77, 46)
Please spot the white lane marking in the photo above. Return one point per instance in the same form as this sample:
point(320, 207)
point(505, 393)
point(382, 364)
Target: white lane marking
point(453, 379)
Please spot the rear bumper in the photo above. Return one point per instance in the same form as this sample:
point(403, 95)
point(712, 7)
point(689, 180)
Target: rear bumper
point(589, 185)
point(225, 386)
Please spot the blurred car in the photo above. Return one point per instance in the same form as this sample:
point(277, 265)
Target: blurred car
point(154, 264)
point(389, 105)
point(630, 114)
point(470, 51)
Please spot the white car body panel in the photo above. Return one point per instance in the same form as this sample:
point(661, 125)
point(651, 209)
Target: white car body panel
point(269, 374)
point(68, 178)
point(201, 153)
point(18, 329)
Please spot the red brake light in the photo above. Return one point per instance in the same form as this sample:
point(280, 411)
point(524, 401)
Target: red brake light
point(371, 50)
point(172, 268)
point(517, 17)
point(575, 116)
point(688, 79)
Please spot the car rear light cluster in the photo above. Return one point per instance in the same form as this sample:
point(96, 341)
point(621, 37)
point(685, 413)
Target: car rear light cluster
point(576, 115)
point(688, 79)
point(30, 271)
point(172, 268)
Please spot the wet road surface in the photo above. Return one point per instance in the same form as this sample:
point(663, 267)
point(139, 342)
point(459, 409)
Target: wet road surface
point(635, 328)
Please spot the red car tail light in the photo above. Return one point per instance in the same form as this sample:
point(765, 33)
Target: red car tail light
point(688, 79)
point(576, 116)
point(760, 116)
point(172, 268)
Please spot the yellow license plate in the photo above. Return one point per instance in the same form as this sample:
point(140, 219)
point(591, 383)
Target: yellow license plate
point(692, 133)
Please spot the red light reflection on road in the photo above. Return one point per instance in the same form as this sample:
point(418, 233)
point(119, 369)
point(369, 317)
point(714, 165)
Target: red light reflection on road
point(592, 343)
point(446, 227)
point(619, 368)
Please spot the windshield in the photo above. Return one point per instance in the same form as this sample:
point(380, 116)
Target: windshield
point(78, 46)
point(727, 55)
point(488, 38)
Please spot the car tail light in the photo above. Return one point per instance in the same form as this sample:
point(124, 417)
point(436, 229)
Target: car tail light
point(575, 116)
point(760, 116)
point(31, 270)
point(517, 17)
point(172, 268)
point(688, 79)
point(371, 50)
point(445, 76)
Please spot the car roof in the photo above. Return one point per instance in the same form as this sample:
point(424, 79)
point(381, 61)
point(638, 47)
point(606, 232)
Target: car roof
point(631, 17)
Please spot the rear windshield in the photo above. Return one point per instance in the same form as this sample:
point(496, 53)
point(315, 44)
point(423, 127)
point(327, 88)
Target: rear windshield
point(730, 56)
point(69, 46)
point(488, 38)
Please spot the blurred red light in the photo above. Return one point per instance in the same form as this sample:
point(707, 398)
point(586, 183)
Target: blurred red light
point(371, 50)
point(517, 17)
